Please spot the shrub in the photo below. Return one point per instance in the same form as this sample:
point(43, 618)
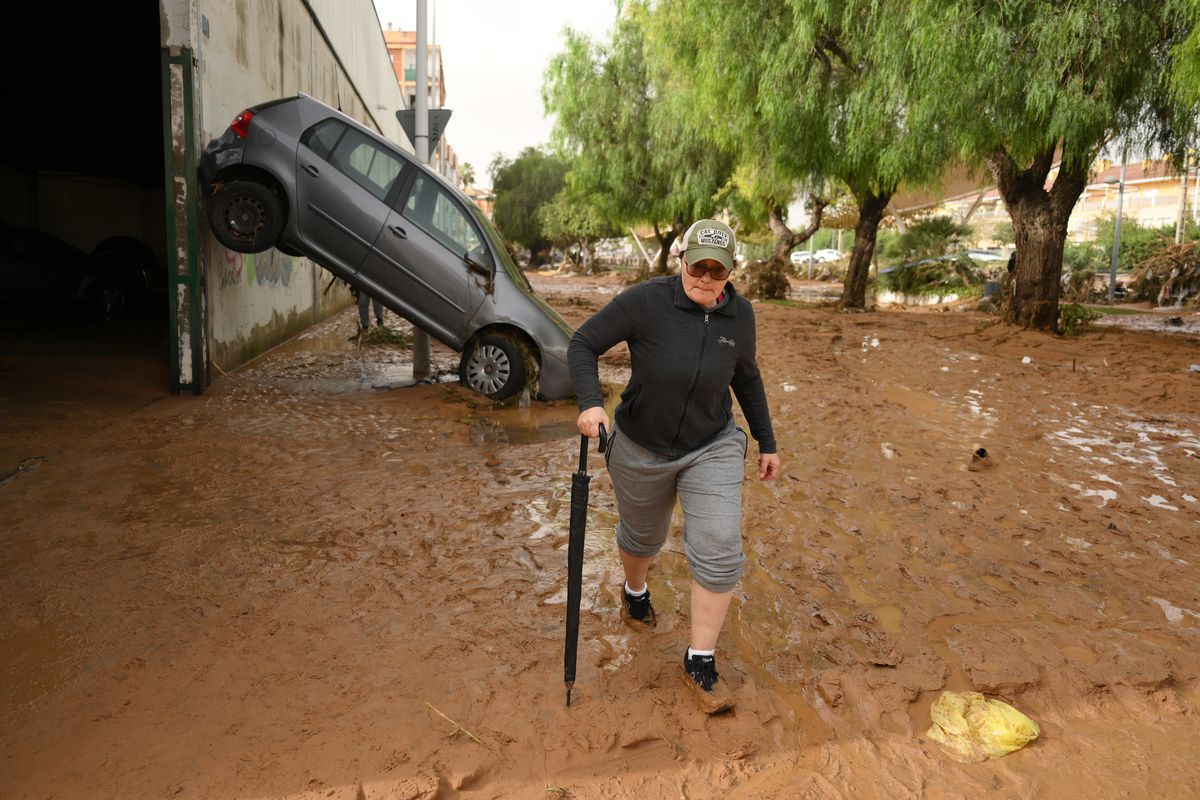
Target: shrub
point(1074, 318)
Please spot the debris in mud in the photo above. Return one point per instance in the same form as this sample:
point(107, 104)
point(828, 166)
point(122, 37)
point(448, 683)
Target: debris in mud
point(971, 728)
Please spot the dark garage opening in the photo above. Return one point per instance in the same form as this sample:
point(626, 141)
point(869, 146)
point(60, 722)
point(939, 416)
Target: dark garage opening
point(83, 307)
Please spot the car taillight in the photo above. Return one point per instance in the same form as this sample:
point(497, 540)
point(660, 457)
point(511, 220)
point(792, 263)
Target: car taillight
point(241, 123)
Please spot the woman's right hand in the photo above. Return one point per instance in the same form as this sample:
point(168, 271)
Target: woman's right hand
point(589, 422)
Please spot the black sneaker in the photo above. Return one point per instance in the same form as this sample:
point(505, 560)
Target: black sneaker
point(701, 676)
point(638, 609)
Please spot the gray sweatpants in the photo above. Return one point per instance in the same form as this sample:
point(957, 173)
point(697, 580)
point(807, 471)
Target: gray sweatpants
point(708, 484)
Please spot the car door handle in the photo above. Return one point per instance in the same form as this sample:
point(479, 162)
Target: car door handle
point(398, 232)
point(311, 170)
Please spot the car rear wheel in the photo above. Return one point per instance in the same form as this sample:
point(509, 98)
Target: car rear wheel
point(494, 366)
point(246, 216)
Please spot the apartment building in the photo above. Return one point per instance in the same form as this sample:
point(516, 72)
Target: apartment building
point(402, 49)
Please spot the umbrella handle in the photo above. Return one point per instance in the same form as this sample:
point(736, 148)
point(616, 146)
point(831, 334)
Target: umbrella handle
point(583, 447)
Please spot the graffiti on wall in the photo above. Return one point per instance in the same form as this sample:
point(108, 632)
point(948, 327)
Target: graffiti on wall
point(230, 268)
point(272, 268)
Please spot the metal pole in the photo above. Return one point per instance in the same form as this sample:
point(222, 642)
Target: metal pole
point(422, 349)
point(1112, 280)
point(1182, 203)
point(810, 253)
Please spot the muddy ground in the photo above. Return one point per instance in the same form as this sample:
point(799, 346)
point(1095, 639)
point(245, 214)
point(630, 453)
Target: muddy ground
point(302, 585)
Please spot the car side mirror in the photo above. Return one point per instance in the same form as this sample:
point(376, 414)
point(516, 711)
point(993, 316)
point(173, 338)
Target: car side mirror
point(476, 264)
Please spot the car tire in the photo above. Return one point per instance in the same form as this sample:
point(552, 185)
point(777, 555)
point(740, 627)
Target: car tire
point(494, 365)
point(246, 216)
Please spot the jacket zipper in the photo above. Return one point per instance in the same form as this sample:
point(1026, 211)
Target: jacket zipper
point(695, 380)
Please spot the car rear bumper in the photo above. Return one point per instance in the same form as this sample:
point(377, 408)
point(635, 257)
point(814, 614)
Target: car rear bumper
point(221, 153)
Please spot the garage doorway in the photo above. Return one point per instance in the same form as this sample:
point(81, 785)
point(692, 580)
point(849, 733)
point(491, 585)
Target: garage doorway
point(84, 322)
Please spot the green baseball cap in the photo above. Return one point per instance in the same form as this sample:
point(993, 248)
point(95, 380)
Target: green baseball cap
point(709, 238)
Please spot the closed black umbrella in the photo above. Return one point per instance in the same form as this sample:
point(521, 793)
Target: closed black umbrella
point(579, 501)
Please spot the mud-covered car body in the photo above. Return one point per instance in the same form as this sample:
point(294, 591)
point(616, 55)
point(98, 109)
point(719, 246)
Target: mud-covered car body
point(386, 224)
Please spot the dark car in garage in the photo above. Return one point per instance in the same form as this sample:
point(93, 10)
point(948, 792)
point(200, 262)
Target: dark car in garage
point(38, 267)
point(302, 177)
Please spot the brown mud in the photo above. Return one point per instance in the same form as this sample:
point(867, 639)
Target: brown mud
point(303, 586)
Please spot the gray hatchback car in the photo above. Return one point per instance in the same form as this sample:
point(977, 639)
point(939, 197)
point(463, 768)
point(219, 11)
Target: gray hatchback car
point(300, 176)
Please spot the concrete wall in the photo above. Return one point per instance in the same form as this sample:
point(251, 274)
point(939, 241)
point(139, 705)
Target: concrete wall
point(247, 52)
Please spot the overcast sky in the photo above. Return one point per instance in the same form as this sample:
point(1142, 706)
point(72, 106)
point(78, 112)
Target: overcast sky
point(494, 54)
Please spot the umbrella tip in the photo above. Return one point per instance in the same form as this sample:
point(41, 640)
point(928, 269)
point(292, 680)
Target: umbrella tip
point(570, 686)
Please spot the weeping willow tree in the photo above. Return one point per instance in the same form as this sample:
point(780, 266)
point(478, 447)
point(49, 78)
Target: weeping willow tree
point(797, 89)
point(638, 154)
point(1034, 89)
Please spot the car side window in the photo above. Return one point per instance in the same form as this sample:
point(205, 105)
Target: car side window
point(431, 207)
point(323, 137)
point(366, 163)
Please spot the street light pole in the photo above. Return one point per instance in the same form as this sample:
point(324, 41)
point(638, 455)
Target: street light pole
point(1112, 280)
point(422, 347)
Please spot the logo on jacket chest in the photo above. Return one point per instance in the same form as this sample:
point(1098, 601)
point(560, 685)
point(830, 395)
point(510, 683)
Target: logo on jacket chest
point(723, 340)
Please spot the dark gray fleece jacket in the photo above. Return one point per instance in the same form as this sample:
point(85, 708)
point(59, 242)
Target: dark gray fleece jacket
point(685, 360)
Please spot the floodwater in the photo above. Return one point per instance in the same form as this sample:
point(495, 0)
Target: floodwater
point(303, 585)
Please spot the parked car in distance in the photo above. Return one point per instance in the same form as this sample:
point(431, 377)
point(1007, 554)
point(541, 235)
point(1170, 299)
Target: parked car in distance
point(35, 266)
point(304, 178)
point(986, 255)
point(818, 257)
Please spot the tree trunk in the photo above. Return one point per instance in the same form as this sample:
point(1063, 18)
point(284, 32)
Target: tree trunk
point(1039, 218)
point(769, 280)
point(871, 208)
point(665, 238)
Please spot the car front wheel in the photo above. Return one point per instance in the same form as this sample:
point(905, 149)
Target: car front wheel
point(494, 366)
point(246, 216)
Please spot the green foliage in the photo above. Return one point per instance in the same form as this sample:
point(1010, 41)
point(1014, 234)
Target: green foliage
point(931, 277)
point(793, 90)
point(522, 186)
point(1138, 242)
point(637, 151)
point(1073, 318)
point(571, 222)
point(1081, 257)
point(468, 174)
point(1031, 75)
point(928, 238)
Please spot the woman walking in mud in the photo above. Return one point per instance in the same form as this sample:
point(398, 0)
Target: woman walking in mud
point(691, 339)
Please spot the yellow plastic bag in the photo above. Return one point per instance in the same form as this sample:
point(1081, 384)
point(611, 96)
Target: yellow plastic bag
point(972, 728)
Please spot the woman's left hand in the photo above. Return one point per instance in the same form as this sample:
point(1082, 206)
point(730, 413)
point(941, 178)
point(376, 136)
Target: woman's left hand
point(768, 466)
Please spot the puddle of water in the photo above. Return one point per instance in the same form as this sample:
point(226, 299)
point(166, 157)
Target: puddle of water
point(1174, 613)
point(1158, 501)
point(891, 618)
point(1152, 321)
point(537, 422)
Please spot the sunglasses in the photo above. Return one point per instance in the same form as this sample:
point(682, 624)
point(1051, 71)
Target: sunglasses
point(717, 273)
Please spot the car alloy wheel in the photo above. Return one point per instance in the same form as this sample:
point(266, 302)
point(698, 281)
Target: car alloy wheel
point(494, 366)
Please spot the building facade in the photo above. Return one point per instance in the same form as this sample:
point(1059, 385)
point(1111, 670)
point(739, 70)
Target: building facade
point(402, 50)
